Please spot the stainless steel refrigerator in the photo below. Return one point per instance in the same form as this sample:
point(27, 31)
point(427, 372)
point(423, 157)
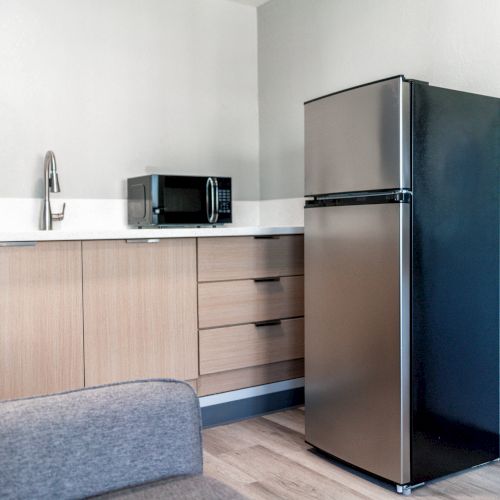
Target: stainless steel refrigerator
point(402, 279)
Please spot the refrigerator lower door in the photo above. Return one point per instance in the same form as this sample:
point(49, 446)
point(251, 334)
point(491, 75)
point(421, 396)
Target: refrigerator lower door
point(357, 335)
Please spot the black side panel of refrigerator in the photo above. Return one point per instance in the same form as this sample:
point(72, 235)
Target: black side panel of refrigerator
point(455, 281)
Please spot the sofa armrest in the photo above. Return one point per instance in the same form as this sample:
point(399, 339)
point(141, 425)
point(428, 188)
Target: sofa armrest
point(90, 441)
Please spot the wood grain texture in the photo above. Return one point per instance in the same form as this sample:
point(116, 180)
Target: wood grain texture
point(235, 347)
point(247, 257)
point(193, 384)
point(247, 301)
point(140, 310)
point(41, 326)
point(248, 377)
point(266, 458)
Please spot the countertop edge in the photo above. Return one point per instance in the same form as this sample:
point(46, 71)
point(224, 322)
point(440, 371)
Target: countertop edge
point(130, 234)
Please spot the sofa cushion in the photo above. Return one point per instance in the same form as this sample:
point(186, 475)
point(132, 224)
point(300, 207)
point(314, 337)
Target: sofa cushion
point(89, 441)
point(185, 488)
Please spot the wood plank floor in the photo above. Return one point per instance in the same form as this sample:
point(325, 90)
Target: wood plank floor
point(266, 458)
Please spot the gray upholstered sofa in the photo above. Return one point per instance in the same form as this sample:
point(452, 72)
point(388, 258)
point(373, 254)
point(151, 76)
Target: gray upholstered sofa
point(137, 440)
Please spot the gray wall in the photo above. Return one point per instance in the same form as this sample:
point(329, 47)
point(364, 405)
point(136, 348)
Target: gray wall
point(308, 48)
point(121, 87)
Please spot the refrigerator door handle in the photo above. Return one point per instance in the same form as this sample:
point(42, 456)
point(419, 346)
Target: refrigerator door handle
point(402, 196)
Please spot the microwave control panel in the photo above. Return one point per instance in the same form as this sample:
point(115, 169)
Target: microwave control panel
point(224, 201)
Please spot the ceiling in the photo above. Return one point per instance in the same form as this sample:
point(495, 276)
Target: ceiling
point(255, 3)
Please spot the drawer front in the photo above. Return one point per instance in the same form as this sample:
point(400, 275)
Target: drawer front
point(248, 257)
point(248, 301)
point(235, 347)
point(248, 377)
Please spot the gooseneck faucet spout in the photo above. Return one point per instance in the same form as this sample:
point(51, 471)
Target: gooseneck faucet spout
point(51, 185)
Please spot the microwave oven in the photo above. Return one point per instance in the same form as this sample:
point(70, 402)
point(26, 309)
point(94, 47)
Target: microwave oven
point(178, 200)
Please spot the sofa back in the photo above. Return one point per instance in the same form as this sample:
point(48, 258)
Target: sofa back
point(90, 441)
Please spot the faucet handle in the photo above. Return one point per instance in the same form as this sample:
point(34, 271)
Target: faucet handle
point(60, 215)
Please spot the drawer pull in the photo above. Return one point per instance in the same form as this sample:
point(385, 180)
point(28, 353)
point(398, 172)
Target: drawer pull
point(267, 237)
point(270, 322)
point(271, 278)
point(17, 243)
point(144, 240)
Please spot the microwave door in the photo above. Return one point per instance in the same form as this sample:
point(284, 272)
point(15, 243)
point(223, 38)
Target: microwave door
point(182, 200)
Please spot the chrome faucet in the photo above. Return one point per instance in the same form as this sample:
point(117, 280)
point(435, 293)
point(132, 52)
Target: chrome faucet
point(51, 186)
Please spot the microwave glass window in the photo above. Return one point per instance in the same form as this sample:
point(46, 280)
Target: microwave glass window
point(181, 200)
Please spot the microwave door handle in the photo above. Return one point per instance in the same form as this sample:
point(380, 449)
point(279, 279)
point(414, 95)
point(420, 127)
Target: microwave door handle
point(216, 192)
point(210, 199)
point(207, 196)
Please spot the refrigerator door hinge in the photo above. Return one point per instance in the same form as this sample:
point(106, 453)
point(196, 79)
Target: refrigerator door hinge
point(403, 196)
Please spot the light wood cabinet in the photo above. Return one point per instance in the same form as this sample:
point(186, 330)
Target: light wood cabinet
point(248, 377)
point(41, 326)
point(76, 313)
point(242, 346)
point(140, 310)
point(249, 257)
point(244, 301)
point(243, 282)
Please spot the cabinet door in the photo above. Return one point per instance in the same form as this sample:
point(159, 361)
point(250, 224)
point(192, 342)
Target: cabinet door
point(140, 310)
point(41, 326)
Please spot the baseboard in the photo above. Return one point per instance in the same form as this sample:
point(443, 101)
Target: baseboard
point(240, 409)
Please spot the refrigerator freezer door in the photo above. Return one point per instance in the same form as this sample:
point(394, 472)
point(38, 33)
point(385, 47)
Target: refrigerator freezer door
point(357, 140)
point(357, 335)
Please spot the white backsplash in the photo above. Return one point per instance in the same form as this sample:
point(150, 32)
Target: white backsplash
point(23, 214)
point(283, 212)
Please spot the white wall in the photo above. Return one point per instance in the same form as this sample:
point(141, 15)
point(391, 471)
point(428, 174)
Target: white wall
point(121, 87)
point(308, 48)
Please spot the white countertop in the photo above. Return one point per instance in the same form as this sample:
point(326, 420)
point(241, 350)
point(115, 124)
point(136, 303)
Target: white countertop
point(127, 234)
point(94, 219)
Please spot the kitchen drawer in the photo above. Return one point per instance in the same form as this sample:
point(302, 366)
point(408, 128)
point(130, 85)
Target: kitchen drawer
point(247, 257)
point(242, 346)
point(248, 301)
point(248, 377)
